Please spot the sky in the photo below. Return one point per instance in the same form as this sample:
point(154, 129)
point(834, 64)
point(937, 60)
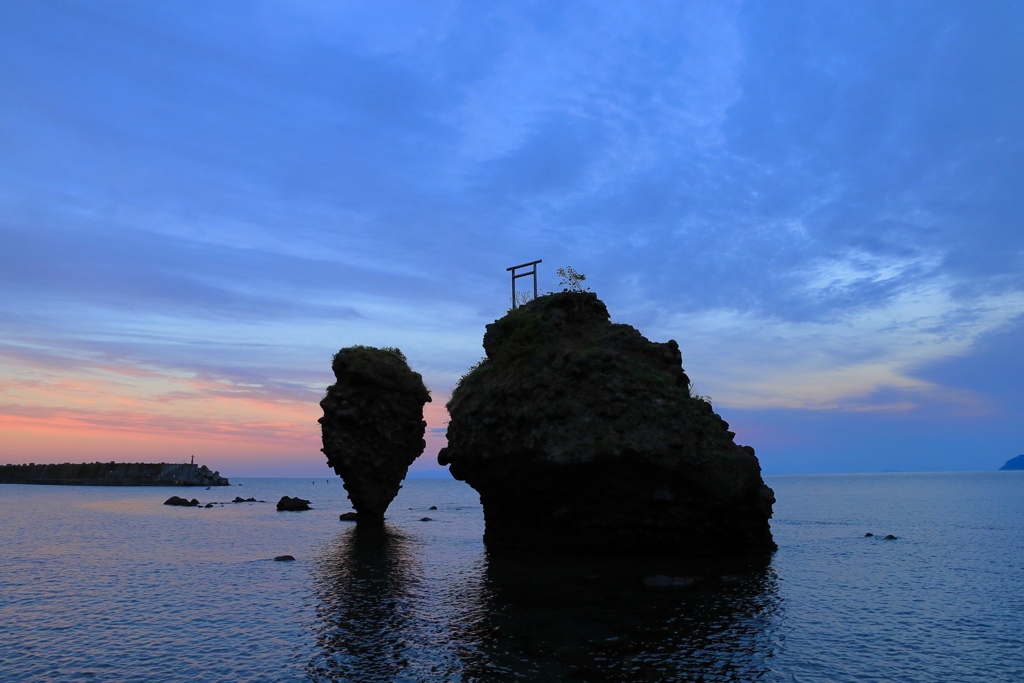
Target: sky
point(201, 202)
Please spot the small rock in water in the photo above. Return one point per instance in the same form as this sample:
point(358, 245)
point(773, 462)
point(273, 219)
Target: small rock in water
point(890, 537)
point(433, 507)
point(181, 502)
point(426, 519)
point(868, 535)
point(284, 558)
point(349, 516)
point(289, 504)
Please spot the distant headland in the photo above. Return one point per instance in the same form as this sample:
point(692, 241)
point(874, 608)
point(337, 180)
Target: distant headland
point(1014, 463)
point(112, 474)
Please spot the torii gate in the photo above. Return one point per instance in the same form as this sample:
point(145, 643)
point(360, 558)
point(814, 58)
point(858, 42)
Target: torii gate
point(515, 275)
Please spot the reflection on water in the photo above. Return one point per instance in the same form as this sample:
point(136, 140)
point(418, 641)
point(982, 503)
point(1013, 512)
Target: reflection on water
point(393, 609)
point(365, 584)
point(599, 620)
point(96, 585)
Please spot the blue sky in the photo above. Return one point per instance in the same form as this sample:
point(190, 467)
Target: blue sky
point(820, 201)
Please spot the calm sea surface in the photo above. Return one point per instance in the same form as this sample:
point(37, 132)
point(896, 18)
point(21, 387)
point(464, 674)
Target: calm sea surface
point(109, 584)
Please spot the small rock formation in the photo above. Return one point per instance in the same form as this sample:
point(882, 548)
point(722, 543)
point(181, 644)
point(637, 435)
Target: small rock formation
point(181, 502)
point(289, 504)
point(1014, 464)
point(582, 435)
point(373, 425)
point(284, 558)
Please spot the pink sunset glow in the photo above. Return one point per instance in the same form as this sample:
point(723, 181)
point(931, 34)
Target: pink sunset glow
point(134, 414)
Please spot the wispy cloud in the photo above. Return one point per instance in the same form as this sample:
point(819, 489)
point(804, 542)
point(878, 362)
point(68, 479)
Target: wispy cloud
point(819, 201)
point(844, 360)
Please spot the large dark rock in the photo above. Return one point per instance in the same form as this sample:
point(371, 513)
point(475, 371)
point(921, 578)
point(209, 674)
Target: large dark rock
point(582, 435)
point(1014, 463)
point(373, 425)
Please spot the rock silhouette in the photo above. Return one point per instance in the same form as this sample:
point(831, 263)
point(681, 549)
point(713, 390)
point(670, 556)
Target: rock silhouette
point(1014, 463)
point(296, 504)
point(181, 502)
point(582, 435)
point(373, 425)
point(113, 474)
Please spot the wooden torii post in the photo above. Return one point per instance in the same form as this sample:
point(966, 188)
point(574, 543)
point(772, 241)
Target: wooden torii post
point(532, 271)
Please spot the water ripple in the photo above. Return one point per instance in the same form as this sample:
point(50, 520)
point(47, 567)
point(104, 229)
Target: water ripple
point(102, 585)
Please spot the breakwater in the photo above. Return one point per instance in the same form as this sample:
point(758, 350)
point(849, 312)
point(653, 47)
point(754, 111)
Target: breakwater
point(112, 474)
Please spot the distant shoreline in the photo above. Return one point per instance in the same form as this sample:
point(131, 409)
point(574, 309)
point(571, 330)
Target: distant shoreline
point(112, 474)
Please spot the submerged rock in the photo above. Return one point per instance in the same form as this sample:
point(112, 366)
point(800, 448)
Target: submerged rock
point(582, 435)
point(373, 425)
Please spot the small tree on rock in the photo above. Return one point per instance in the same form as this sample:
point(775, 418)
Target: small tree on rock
point(571, 281)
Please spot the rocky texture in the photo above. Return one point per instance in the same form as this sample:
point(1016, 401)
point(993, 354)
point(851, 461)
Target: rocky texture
point(373, 425)
point(182, 502)
point(582, 435)
point(112, 474)
point(1014, 463)
point(289, 504)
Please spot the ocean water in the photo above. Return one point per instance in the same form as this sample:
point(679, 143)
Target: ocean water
point(109, 584)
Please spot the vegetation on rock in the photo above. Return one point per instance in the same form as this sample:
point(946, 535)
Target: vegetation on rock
point(571, 281)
